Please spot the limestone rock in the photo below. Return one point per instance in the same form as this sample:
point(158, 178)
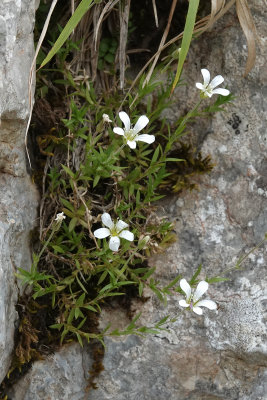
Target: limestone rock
point(18, 199)
point(66, 366)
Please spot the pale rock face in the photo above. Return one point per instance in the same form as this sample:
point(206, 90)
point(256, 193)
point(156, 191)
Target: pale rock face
point(71, 383)
point(18, 199)
point(222, 354)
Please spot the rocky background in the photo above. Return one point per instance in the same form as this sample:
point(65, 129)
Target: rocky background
point(18, 196)
point(221, 355)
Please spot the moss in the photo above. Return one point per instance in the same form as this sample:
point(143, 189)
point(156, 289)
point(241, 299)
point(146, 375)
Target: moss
point(98, 353)
point(183, 175)
point(33, 340)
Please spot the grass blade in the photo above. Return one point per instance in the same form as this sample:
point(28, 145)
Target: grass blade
point(187, 37)
point(82, 8)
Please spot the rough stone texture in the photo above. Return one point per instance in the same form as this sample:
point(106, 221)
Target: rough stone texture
point(18, 199)
point(221, 355)
point(70, 383)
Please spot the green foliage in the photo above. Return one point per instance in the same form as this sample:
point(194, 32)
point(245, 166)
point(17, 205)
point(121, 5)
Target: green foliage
point(95, 171)
point(92, 170)
point(107, 52)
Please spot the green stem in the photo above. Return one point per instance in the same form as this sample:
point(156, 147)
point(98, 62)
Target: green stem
point(47, 242)
point(186, 118)
point(242, 259)
point(112, 155)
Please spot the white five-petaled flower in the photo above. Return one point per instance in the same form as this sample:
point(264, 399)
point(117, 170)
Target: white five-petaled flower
point(60, 217)
point(208, 88)
point(192, 299)
point(106, 118)
point(131, 134)
point(115, 230)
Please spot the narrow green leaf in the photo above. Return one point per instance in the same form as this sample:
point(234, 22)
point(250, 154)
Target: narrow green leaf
point(144, 329)
point(72, 224)
point(64, 333)
point(96, 180)
point(141, 287)
point(132, 323)
point(80, 300)
point(80, 283)
point(79, 339)
point(194, 277)
point(157, 293)
point(56, 326)
point(187, 37)
point(67, 204)
point(137, 199)
point(71, 316)
point(174, 159)
point(107, 287)
point(82, 8)
point(53, 299)
point(91, 308)
point(58, 249)
point(149, 273)
point(68, 170)
point(81, 323)
point(102, 277)
point(77, 313)
point(162, 321)
point(173, 282)
point(155, 155)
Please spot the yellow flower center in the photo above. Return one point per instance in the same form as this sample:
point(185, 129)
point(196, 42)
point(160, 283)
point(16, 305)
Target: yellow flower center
point(130, 135)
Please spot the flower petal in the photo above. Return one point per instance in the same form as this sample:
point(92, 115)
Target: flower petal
point(60, 217)
point(106, 118)
point(131, 144)
point(186, 288)
point(211, 305)
point(146, 138)
point(216, 81)
point(206, 76)
point(119, 131)
point(200, 86)
point(197, 310)
point(114, 243)
point(102, 233)
point(207, 94)
point(107, 221)
point(183, 303)
point(141, 123)
point(127, 235)
point(223, 92)
point(120, 225)
point(202, 287)
point(125, 119)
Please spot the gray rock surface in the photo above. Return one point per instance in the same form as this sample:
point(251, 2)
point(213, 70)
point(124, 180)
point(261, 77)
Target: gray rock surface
point(221, 355)
point(18, 198)
point(71, 379)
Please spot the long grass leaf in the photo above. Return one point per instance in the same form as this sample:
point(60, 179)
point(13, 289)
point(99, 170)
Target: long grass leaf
point(82, 8)
point(187, 37)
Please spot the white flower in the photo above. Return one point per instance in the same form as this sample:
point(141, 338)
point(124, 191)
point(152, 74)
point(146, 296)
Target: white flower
point(60, 217)
point(115, 230)
point(131, 134)
point(192, 300)
point(207, 88)
point(106, 118)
